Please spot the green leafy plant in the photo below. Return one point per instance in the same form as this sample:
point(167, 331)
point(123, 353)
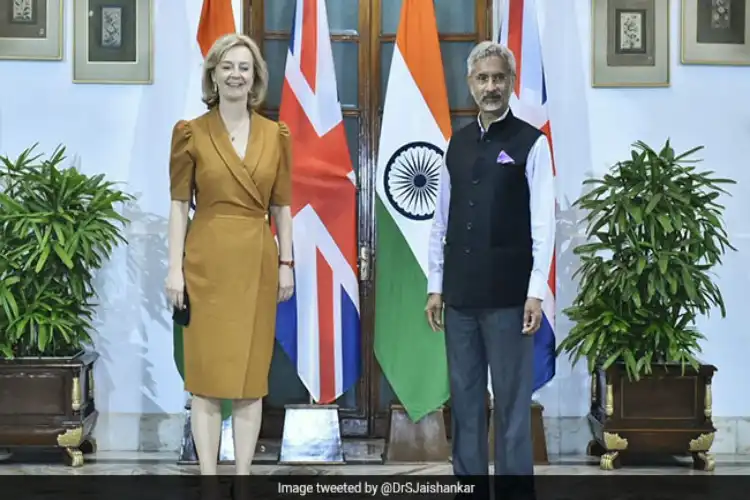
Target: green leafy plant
point(57, 228)
point(655, 230)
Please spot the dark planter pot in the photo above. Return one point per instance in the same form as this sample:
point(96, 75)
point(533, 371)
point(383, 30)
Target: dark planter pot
point(666, 413)
point(49, 402)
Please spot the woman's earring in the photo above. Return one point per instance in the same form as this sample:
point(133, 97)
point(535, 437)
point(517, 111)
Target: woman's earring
point(216, 87)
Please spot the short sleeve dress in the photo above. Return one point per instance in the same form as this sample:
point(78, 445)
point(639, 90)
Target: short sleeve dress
point(231, 257)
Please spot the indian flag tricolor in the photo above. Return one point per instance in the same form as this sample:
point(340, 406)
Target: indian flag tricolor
point(217, 20)
point(414, 135)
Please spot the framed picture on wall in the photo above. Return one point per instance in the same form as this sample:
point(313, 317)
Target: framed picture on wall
point(113, 41)
point(630, 43)
point(31, 29)
point(715, 32)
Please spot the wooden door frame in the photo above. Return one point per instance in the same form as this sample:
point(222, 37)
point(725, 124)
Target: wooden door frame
point(367, 421)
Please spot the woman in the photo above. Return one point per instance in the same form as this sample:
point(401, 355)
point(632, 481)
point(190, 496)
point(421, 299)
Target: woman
point(237, 165)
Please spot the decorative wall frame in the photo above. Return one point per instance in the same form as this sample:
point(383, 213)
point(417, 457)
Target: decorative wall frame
point(31, 30)
point(630, 43)
point(113, 41)
point(715, 32)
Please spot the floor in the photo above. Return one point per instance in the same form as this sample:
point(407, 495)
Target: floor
point(365, 461)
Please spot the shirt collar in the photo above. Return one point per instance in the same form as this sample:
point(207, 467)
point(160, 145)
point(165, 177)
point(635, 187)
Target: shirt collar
point(502, 117)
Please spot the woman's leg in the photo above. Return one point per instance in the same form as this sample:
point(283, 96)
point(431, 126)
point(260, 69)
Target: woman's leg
point(205, 423)
point(246, 419)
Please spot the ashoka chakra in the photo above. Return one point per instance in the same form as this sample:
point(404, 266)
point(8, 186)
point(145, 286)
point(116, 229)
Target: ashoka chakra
point(411, 179)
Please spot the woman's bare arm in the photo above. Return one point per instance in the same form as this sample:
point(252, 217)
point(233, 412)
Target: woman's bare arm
point(282, 216)
point(178, 219)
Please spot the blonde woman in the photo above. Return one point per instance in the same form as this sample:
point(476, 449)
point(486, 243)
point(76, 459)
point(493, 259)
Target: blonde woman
point(228, 275)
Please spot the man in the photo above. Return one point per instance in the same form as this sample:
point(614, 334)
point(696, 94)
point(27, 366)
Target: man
point(490, 247)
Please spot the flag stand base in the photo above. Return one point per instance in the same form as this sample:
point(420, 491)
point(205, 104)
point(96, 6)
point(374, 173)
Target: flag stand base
point(537, 433)
point(312, 435)
point(188, 455)
point(423, 441)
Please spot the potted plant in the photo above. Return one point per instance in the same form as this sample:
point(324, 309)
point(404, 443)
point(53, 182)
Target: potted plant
point(655, 232)
point(57, 228)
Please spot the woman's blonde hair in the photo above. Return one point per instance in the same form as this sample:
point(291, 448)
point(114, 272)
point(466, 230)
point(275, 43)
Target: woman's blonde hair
point(260, 70)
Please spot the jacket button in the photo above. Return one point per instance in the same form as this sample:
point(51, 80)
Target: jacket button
point(467, 250)
point(471, 203)
point(468, 226)
point(475, 181)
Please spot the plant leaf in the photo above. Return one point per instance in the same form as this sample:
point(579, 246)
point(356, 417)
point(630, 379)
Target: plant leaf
point(654, 232)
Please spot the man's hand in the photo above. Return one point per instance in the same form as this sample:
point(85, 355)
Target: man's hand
point(434, 311)
point(532, 316)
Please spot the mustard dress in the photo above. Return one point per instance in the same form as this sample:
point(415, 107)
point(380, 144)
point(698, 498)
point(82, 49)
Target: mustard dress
point(231, 258)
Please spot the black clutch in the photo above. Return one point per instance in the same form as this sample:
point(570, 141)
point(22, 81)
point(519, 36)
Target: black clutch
point(182, 316)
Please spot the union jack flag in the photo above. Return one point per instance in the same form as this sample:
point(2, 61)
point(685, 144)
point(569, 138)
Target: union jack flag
point(319, 328)
point(519, 31)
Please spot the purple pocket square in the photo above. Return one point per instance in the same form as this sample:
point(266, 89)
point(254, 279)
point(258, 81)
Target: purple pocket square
point(504, 158)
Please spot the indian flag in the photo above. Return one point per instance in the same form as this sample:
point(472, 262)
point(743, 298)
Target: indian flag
point(414, 135)
point(217, 20)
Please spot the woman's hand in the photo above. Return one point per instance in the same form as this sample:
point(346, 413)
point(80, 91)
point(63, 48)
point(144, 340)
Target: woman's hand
point(286, 283)
point(175, 285)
